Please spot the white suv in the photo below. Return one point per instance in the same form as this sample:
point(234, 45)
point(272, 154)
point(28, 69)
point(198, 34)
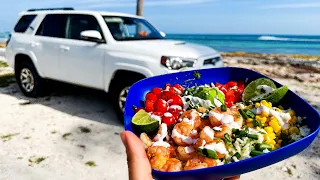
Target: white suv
point(101, 50)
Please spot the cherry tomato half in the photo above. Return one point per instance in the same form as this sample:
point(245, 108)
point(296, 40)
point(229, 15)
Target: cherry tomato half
point(149, 105)
point(161, 106)
point(178, 86)
point(166, 95)
point(152, 97)
point(175, 100)
point(156, 91)
point(168, 118)
point(232, 83)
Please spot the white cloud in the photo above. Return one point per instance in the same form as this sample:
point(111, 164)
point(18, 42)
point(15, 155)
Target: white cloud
point(293, 5)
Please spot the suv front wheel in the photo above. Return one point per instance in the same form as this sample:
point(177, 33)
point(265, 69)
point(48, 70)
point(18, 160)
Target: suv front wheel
point(28, 79)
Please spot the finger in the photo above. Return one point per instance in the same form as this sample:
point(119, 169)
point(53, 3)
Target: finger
point(138, 163)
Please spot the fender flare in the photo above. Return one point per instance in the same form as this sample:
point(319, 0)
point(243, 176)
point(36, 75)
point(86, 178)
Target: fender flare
point(127, 67)
point(32, 57)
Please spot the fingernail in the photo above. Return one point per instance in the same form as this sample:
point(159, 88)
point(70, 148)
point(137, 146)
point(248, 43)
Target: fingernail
point(123, 138)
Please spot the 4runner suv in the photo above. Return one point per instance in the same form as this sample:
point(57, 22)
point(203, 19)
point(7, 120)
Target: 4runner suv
point(101, 50)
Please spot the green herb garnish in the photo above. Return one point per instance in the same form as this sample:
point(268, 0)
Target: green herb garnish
point(197, 75)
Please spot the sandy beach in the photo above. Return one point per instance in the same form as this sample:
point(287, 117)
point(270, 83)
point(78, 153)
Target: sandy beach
point(74, 134)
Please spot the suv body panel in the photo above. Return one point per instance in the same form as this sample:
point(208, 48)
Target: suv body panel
point(94, 64)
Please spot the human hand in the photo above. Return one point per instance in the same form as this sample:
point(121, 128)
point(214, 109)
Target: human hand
point(138, 162)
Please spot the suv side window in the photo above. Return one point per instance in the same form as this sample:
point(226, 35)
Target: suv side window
point(23, 23)
point(78, 23)
point(53, 25)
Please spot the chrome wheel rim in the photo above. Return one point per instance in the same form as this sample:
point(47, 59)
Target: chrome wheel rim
point(123, 97)
point(26, 79)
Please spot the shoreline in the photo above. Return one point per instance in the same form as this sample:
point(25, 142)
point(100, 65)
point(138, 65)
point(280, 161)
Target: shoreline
point(272, 56)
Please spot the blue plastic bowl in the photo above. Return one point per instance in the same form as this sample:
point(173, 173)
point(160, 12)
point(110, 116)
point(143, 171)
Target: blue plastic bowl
point(222, 75)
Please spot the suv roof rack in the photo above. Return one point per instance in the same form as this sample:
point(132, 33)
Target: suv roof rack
point(51, 9)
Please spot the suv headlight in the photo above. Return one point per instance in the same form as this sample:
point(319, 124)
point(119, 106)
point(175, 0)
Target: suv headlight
point(176, 63)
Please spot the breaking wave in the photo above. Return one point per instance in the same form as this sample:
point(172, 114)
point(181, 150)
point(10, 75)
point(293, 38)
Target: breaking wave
point(274, 38)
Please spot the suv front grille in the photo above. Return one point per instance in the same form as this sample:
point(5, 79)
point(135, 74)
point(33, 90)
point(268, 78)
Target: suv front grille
point(212, 61)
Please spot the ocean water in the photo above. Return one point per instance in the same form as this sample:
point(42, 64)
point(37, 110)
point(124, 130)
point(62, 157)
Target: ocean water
point(269, 44)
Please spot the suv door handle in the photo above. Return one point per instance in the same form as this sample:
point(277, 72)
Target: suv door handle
point(64, 48)
point(35, 44)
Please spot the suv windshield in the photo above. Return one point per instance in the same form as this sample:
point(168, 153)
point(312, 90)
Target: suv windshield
point(128, 28)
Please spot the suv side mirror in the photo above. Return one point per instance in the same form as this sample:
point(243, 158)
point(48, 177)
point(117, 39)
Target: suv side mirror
point(163, 34)
point(91, 35)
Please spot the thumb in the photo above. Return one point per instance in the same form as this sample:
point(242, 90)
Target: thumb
point(138, 162)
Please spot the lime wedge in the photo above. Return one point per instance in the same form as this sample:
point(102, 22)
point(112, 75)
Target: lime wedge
point(142, 122)
point(276, 95)
point(251, 90)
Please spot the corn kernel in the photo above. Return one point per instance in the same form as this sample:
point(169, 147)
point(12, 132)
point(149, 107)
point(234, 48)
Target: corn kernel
point(278, 133)
point(264, 114)
point(257, 105)
point(250, 125)
point(249, 120)
point(280, 107)
point(266, 138)
point(273, 123)
point(292, 113)
point(264, 102)
point(277, 146)
point(272, 146)
point(250, 106)
point(273, 142)
point(269, 105)
point(269, 129)
point(278, 110)
point(263, 120)
point(272, 135)
point(273, 118)
point(293, 130)
point(279, 141)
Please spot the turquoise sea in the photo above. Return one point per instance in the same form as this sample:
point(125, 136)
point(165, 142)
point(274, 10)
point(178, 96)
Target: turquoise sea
point(269, 44)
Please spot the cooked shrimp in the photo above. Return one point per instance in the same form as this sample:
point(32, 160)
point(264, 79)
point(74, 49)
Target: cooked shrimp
point(158, 150)
point(199, 162)
point(145, 140)
point(207, 134)
point(183, 134)
point(229, 117)
point(220, 134)
point(194, 164)
point(158, 161)
point(186, 153)
point(204, 123)
point(172, 165)
point(192, 117)
point(210, 162)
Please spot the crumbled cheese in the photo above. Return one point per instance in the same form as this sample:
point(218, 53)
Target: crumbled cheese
point(161, 143)
point(217, 128)
point(185, 139)
point(189, 149)
point(218, 147)
point(195, 100)
point(209, 132)
point(155, 117)
point(163, 133)
point(265, 151)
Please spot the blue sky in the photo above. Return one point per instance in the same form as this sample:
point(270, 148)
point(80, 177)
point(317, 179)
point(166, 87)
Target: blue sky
point(196, 16)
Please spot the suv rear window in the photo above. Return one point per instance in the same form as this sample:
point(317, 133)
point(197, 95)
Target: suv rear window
point(23, 23)
point(53, 25)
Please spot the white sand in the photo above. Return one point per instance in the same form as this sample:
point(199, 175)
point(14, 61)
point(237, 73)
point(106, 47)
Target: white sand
point(67, 112)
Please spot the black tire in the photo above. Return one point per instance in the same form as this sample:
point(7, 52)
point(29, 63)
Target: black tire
point(38, 83)
point(117, 86)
